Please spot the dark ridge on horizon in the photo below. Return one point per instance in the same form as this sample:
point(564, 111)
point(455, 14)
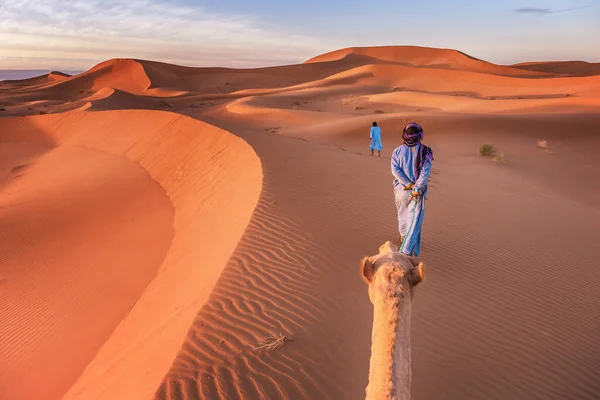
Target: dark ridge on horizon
point(21, 74)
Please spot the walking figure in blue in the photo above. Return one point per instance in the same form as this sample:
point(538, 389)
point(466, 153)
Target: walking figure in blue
point(375, 137)
point(411, 166)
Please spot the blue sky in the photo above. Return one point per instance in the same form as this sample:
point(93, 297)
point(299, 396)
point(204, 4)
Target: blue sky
point(77, 34)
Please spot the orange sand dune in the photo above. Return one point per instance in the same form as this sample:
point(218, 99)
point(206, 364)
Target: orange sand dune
point(423, 57)
point(53, 76)
point(77, 262)
point(573, 68)
point(139, 261)
point(398, 77)
point(114, 99)
point(125, 75)
point(105, 237)
point(147, 78)
point(223, 80)
point(396, 88)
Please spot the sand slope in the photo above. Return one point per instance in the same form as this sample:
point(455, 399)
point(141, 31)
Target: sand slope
point(83, 233)
point(295, 272)
point(151, 295)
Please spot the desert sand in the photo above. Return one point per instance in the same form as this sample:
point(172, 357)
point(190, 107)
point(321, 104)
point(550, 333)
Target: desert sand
point(158, 222)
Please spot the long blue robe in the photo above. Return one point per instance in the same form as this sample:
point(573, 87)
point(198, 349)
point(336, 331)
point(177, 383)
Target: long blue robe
point(410, 212)
point(375, 136)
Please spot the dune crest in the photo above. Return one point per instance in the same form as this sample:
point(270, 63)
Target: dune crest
point(425, 57)
point(197, 166)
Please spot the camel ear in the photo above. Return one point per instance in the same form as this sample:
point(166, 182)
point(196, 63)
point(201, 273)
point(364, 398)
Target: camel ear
point(413, 260)
point(416, 275)
point(367, 270)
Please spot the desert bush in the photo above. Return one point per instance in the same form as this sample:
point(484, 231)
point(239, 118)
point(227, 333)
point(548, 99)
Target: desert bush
point(542, 144)
point(2, 109)
point(165, 104)
point(378, 112)
point(349, 100)
point(499, 158)
point(43, 112)
point(487, 150)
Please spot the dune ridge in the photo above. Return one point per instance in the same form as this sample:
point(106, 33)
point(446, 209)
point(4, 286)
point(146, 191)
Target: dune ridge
point(190, 161)
point(426, 57)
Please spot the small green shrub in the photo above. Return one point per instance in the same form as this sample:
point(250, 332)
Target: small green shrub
point(349, 100)
point(487, 150)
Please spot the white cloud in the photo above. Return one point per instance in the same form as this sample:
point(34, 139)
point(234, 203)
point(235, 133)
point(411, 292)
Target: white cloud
point(79, 33)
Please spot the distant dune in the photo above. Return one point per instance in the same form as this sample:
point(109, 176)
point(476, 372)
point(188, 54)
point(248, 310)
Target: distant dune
point(572, 68)
point(422, 57)
point(11, 74)
point(159, 222)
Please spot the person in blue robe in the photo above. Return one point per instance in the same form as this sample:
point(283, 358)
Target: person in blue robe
point(375, 137)
point(411, 167)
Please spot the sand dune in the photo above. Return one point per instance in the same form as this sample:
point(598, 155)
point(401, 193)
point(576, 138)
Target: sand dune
point(51, 77)
point(426, 57)
point(147, 253)
point(572, 68)
point(114, 99)
point(82, 276)
point(163, 174)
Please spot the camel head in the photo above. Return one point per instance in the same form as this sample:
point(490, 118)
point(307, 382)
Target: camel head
point(391, 274)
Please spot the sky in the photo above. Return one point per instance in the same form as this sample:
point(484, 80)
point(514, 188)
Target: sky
point(78, 34)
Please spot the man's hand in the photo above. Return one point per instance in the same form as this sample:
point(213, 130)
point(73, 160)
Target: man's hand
point(415, 195)
point(410, 186)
